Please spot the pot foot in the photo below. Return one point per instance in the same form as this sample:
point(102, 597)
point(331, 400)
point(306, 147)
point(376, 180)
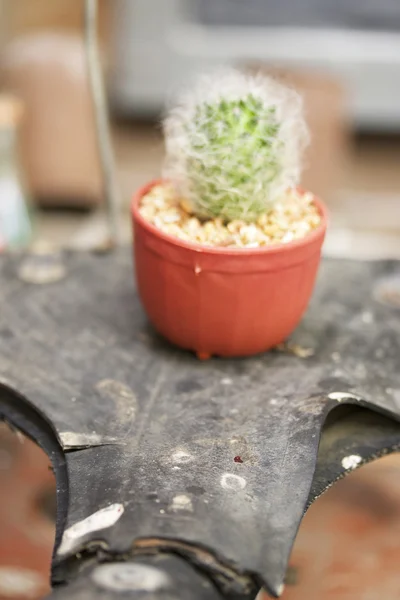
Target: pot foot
point(203, 355)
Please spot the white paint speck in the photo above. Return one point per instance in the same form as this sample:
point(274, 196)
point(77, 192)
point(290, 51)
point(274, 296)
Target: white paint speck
point(230, 481)
point(335, 357)
point(197, 269)
point(181, 457)
point(176, 468)
point(226, 381)
point(181, 503)
point(273, 401)
point(338, 373)
point(125, 577)
point(367, 317)
point(102, 519)
point(280, 589)
point(341, 396)
point(162, 512)
point(351, 462)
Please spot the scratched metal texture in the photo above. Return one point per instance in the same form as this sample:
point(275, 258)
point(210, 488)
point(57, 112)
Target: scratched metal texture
point(129, 420)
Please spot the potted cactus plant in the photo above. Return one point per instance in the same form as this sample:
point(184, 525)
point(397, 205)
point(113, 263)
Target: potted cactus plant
point(227, 246)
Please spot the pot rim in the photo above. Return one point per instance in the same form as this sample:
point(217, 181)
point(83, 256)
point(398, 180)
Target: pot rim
point(276, 249)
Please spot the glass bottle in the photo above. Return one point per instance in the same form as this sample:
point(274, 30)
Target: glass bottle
point(15, 222)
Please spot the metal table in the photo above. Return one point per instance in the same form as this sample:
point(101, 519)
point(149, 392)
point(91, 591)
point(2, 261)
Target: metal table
point(185, 479)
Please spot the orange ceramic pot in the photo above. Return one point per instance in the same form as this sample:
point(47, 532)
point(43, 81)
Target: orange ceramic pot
point(223, 301)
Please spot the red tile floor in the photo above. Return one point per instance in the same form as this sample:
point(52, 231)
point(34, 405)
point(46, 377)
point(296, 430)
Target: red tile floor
point(348, 547)
point(27, 496)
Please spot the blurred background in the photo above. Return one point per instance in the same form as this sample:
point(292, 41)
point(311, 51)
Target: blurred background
point(344, 57)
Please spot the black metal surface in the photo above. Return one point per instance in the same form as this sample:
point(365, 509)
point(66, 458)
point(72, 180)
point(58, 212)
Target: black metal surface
point(210, 461)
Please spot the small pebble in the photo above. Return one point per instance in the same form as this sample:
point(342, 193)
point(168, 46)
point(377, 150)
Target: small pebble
point(292, 218)
point(295, 349)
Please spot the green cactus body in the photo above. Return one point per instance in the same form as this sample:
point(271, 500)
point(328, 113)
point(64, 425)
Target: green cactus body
point(234, 156)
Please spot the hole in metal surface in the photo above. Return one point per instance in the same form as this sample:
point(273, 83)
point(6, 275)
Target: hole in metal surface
point(27, 517)
point(47, 504)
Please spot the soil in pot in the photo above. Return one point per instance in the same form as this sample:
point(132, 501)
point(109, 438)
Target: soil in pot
point(292, 218)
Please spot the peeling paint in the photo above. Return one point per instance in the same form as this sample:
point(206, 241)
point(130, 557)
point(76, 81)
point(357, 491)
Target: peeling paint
point(102, 519)
point(73, 441)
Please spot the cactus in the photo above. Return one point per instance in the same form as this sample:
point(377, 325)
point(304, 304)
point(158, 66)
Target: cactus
point(234, 145)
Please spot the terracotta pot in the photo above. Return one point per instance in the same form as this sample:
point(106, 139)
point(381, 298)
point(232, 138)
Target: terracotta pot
point(223, 301)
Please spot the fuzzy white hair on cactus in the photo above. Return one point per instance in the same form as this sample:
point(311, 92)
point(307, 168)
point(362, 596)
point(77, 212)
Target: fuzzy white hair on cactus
point(234, 144)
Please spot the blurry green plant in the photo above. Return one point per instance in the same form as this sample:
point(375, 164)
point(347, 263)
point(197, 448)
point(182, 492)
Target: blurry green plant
point(234, 145)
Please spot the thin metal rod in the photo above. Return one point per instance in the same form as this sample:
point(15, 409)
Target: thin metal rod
point(100, 106)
